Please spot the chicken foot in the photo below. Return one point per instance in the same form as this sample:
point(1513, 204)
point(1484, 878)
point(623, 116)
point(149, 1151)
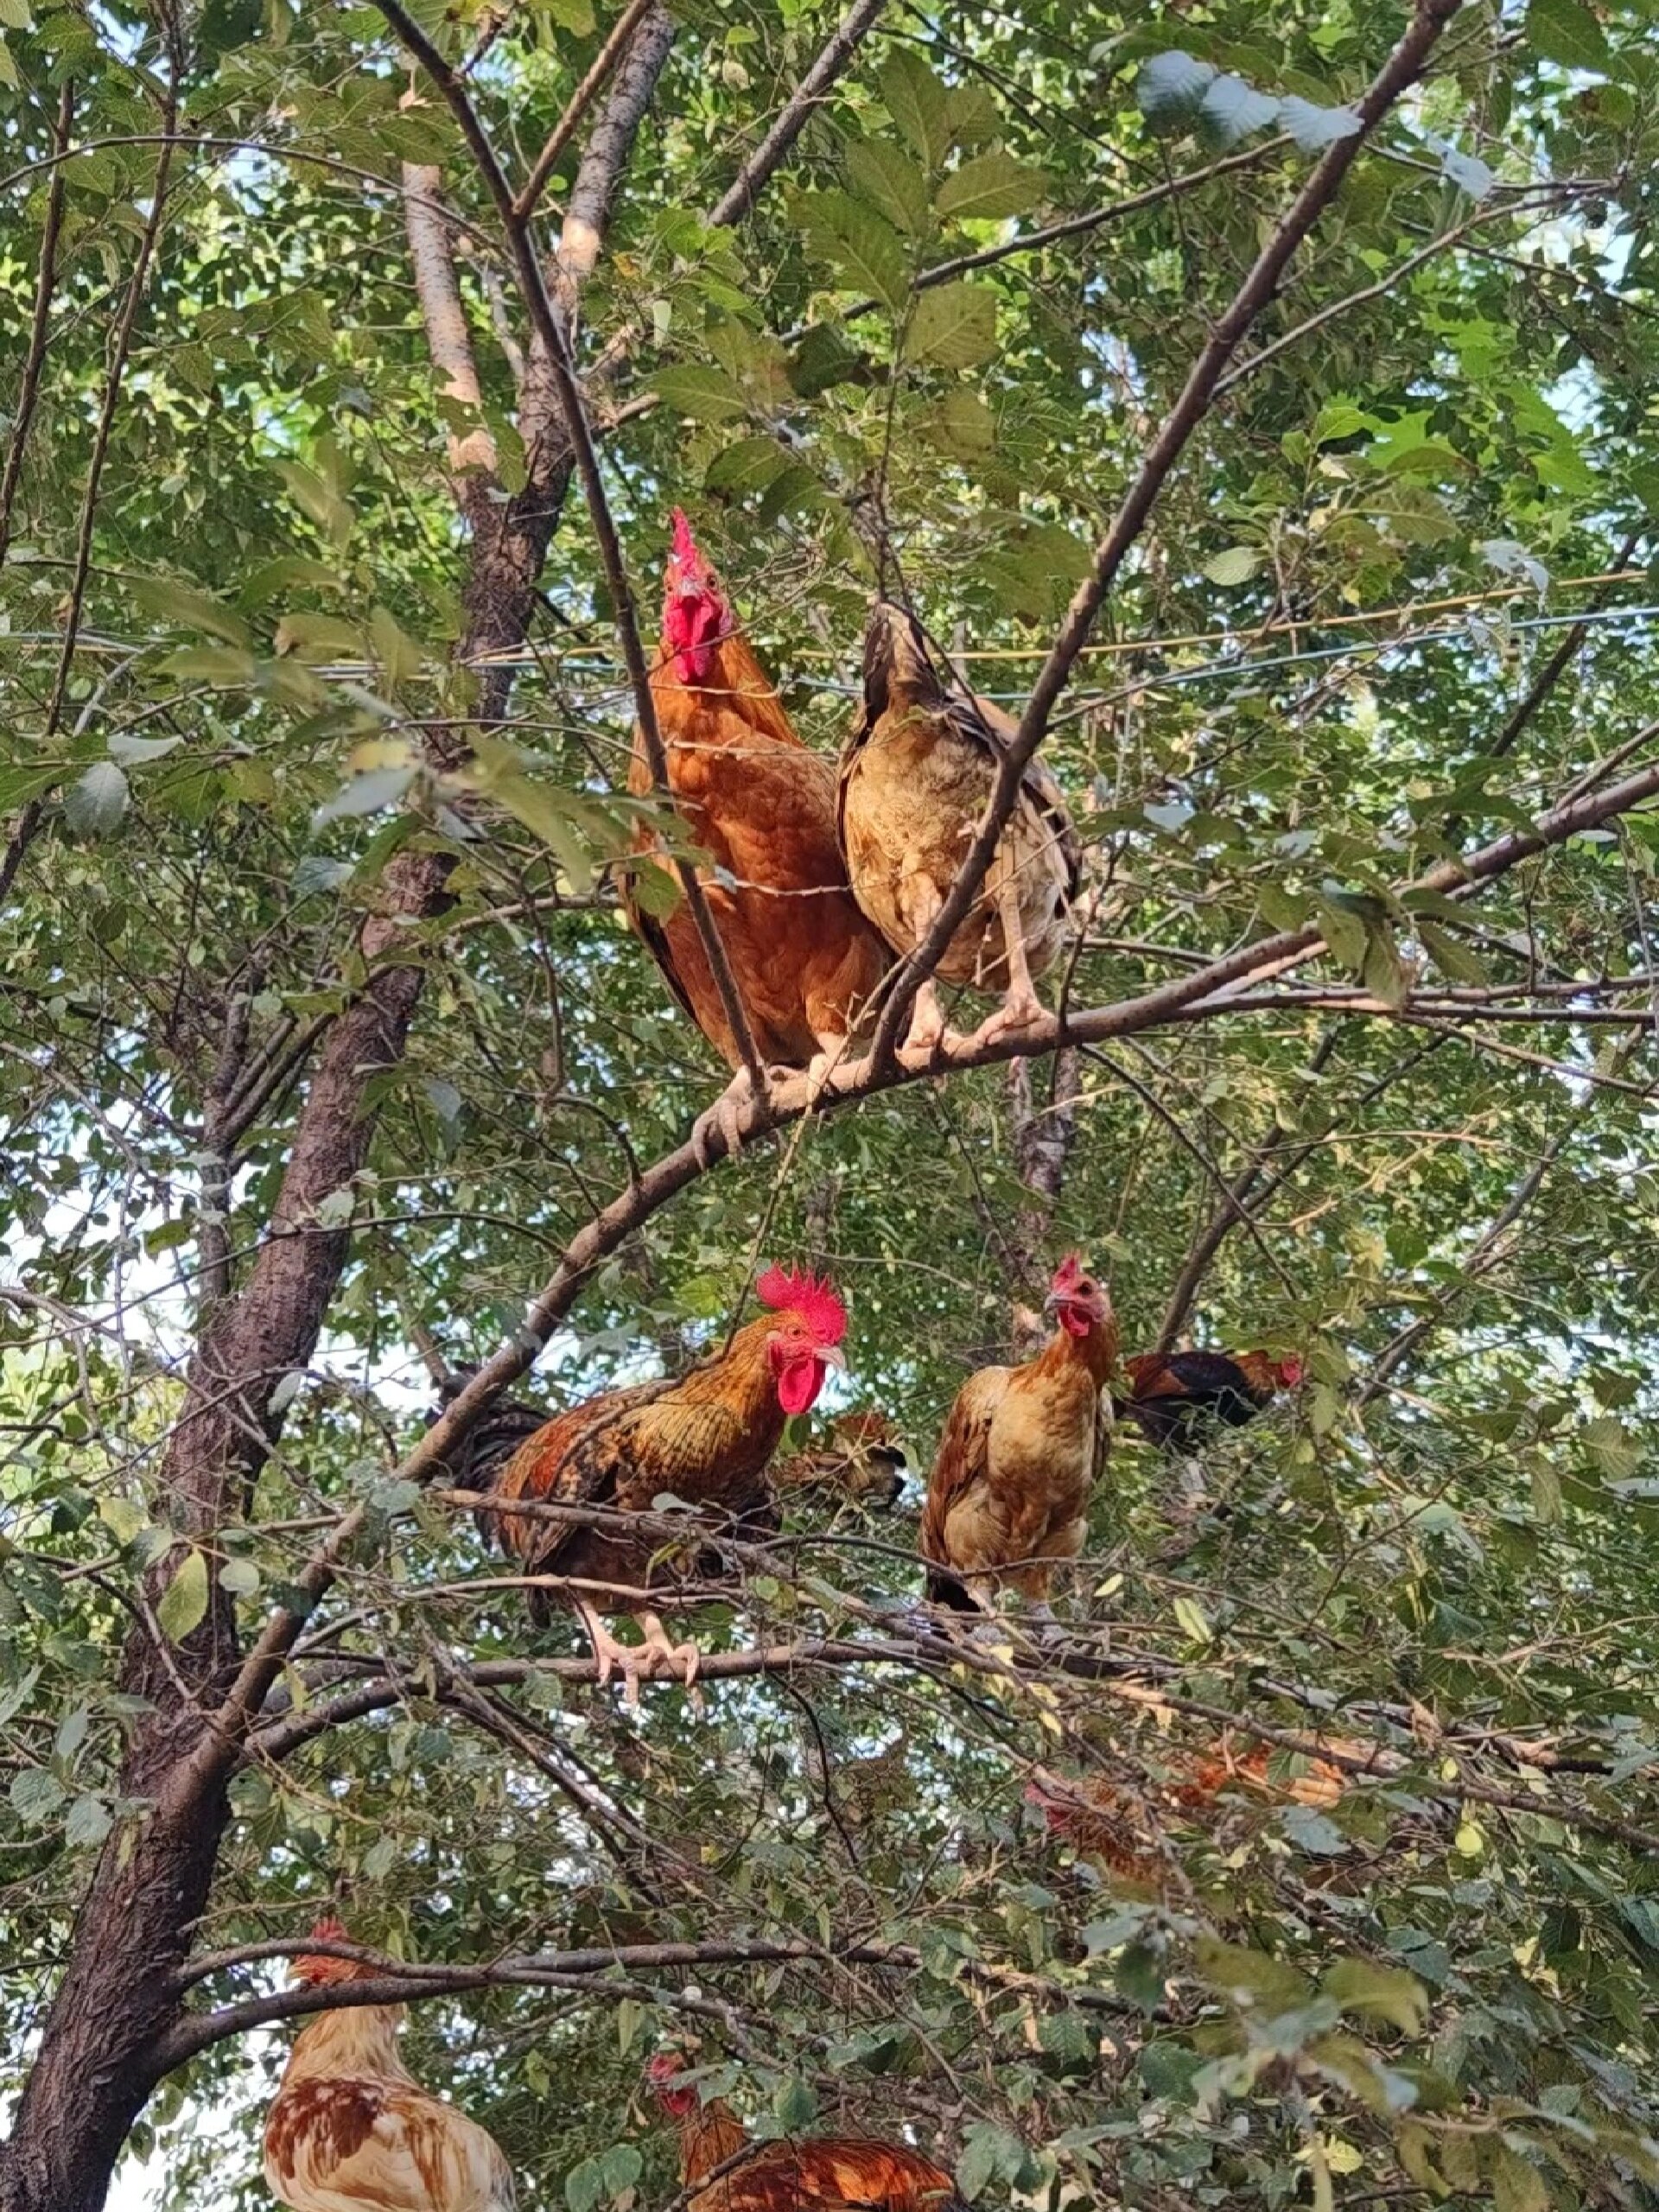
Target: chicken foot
point(639, 1662)
point(928, 1030)
point(724, 1119)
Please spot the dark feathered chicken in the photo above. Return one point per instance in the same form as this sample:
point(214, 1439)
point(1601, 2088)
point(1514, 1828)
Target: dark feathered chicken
point(1174, 1397)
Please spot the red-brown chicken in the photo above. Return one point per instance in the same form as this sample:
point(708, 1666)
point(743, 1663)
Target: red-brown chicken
point(762, 807)
point(352, 2131)
point(1173, 1396)
point(705, 1439)
point(1022, 1448)
point(917, 772)
point(819, 2174)
point(1122, 1827)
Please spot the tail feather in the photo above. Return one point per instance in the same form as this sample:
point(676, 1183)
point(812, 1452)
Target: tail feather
point(897, 663)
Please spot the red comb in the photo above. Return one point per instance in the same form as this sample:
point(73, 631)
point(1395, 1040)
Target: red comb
point(685, 546)
point(1068, 1274)
point(792, 1291)
point(666, 2065)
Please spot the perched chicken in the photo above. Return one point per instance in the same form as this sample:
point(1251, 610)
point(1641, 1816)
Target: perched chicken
point(1122, 1827)
point(763, 808)
point(1022, 1448)
point(705, 1438)
point(916, 775)
point(817, 2175)
point(351, 2129)
point(861, 1461)
point(1173, 1396)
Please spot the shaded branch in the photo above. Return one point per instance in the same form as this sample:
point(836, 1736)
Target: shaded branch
point(793, 118)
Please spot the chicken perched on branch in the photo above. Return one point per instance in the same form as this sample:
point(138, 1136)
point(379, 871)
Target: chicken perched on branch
point(352, 2131)
point(817, 2175)
point(916, 773)
point(1173, 1396)
point(762, 807)
point(861, 1461)
point(1022, 1450)
point(1123, 1827)
point(706, 1438)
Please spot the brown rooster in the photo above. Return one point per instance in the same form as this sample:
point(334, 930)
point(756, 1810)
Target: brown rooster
point(1173, 1396)
point(705, 1438)
point(352, 2131)
point(816, 2175)
point(762, 807)
point(1022, 1448)
point(916, 775)
point(861, 1461)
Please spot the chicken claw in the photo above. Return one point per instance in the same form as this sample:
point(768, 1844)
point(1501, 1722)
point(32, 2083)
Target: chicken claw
point(928, 1031)
point(724, 1119)
point(1020, 1011)
point(643, 1662)
point(678, 1661)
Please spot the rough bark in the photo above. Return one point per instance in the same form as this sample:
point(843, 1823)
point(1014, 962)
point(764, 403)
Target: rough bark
point(101, 2048)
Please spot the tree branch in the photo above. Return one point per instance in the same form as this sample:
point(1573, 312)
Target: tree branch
point(581, 100)
point(793, 118)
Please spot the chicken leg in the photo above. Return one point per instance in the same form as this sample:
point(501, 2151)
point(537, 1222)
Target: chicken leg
point(1021, 1008)
point(927, 1030)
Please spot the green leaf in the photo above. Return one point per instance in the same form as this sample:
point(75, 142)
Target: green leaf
point(1314, 128)
point(748, 465)
point(989, 186)
point(863, 246)
point(240, 1577)
point(794, 2104)
point(35, 1795)
point(1170, 87)
point(131, 752)
point(335, 516)
point(93, 805)
point(175, 603)
point(954, 327)
point(1250, 1978)
point(962, 424)
point(318, 639)
point(1194, 1622)
point(919, 104)
point(365, 794)
point(1612, 1447)
point(1382, 1993)
point(184, 1602)
point(1231, 109)
point(1310, 1831)
point(1517, 2185)
point(883, 176)
point(1565, 32)
point(1451, 957)
point(707, 395)
point(1234, 564)
point(400, 657)
point(88, 1824)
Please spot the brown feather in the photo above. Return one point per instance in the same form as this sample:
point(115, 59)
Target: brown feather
point(762, 807)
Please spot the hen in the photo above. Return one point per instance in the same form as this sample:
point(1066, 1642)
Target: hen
point(861, 1461)
point(1123, 1827)
point(762, 807)
point(916, 776)
point(705, 1438)
point(352, 2131)
point(1021, 1449)
point(817, 2175)
point(1173, 1396)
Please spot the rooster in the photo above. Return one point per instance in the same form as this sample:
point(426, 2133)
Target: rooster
point(705, 1438)
point(1173, 1396)
point(1022, 1450)
point(916, 776)
point(762, 808)
point(817, 2175)
point(352, 2131)
point(861, 1461)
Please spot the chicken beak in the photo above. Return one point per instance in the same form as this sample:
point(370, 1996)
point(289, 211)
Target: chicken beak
point(832, 1357)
